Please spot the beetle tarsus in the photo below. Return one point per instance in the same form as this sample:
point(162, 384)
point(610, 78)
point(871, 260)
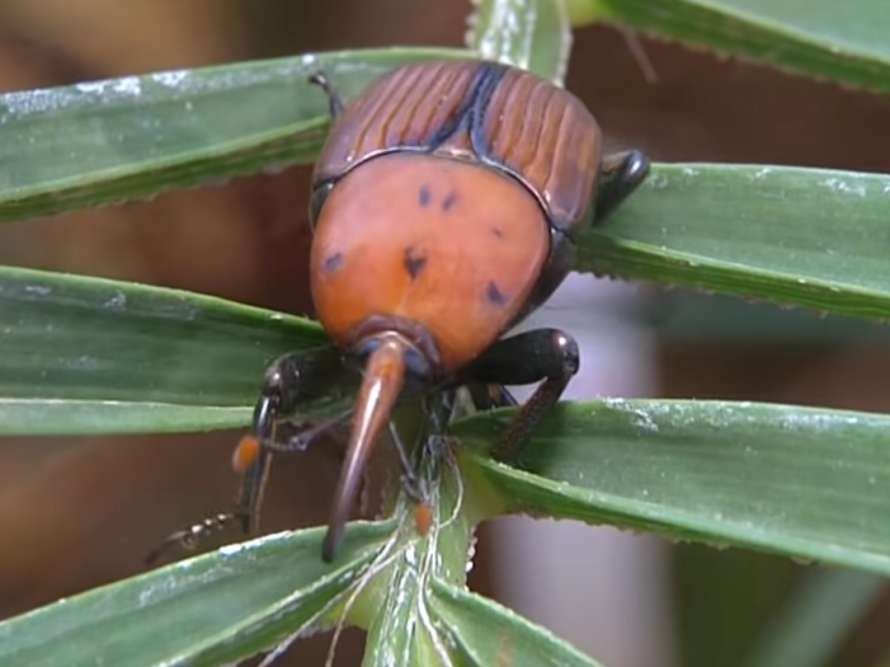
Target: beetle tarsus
point(190, 538)
point(621, 174)
point(335, 104)
point(543, 354)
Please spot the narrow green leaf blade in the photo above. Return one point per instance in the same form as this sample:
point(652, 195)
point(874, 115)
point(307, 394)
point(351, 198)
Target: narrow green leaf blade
point(219, 607)
point(401, 632)
point(808, 483)
point(105, 141)
point(394, 636)
point(843, 41)
point(67, 416)
point(480, 632)
point(531, 34)
point(812, 237)
point(86, 355)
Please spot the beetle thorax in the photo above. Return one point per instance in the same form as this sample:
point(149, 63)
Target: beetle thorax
point(449, 247)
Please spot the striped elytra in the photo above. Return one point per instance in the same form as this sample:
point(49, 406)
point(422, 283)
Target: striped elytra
point(539, 133)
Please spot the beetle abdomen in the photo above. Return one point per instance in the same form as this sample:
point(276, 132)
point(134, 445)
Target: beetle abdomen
point(455, 247)
point(503, 116)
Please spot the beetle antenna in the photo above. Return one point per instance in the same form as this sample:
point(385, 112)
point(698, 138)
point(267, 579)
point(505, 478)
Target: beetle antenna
point(383, 380)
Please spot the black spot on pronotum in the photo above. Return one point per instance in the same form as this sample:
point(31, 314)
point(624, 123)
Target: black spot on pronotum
point(333, 262)
point(497, 231)
point(424, 196)
point(414, 262)
point(495, 295)
point(449, 201)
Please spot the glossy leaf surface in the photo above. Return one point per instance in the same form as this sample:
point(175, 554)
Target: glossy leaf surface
point(812, 237)
point(843, 41)
point(119, 139)
point(86, 355)
point(215, 608)
point(808, 483)
point(482, 632)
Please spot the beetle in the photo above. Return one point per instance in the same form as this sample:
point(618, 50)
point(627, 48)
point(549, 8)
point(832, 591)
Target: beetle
point(444, 209)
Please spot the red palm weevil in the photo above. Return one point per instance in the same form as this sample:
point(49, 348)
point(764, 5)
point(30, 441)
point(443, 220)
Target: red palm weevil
point(444, 206)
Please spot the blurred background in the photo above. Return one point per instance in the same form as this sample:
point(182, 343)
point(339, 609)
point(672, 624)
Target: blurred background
point(78, 513)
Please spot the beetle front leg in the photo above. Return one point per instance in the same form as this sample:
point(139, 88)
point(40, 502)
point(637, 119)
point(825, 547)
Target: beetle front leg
point(543, 354)
point(288, 381)
point(620, 175)
point(411, 481)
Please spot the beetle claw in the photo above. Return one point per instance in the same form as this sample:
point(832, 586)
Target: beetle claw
point(190, 538)
point(621, 174)
point(335, 104)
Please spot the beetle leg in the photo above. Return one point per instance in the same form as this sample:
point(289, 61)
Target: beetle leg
point(288, 380)
point(298, 438)
point(621, 174)
point(543, 354)
point(335, 104)
point(439, 408)
point(491, 395)
point(410, 479)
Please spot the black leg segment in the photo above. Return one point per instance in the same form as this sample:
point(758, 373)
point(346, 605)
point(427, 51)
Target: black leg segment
point(543, 354)
point(335, 104)
point(189, 539)
point(289, 381)
point(621, 174)
point(411, 481)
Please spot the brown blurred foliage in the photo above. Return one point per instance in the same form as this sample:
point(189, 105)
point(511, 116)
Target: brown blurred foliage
point(75, 514)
